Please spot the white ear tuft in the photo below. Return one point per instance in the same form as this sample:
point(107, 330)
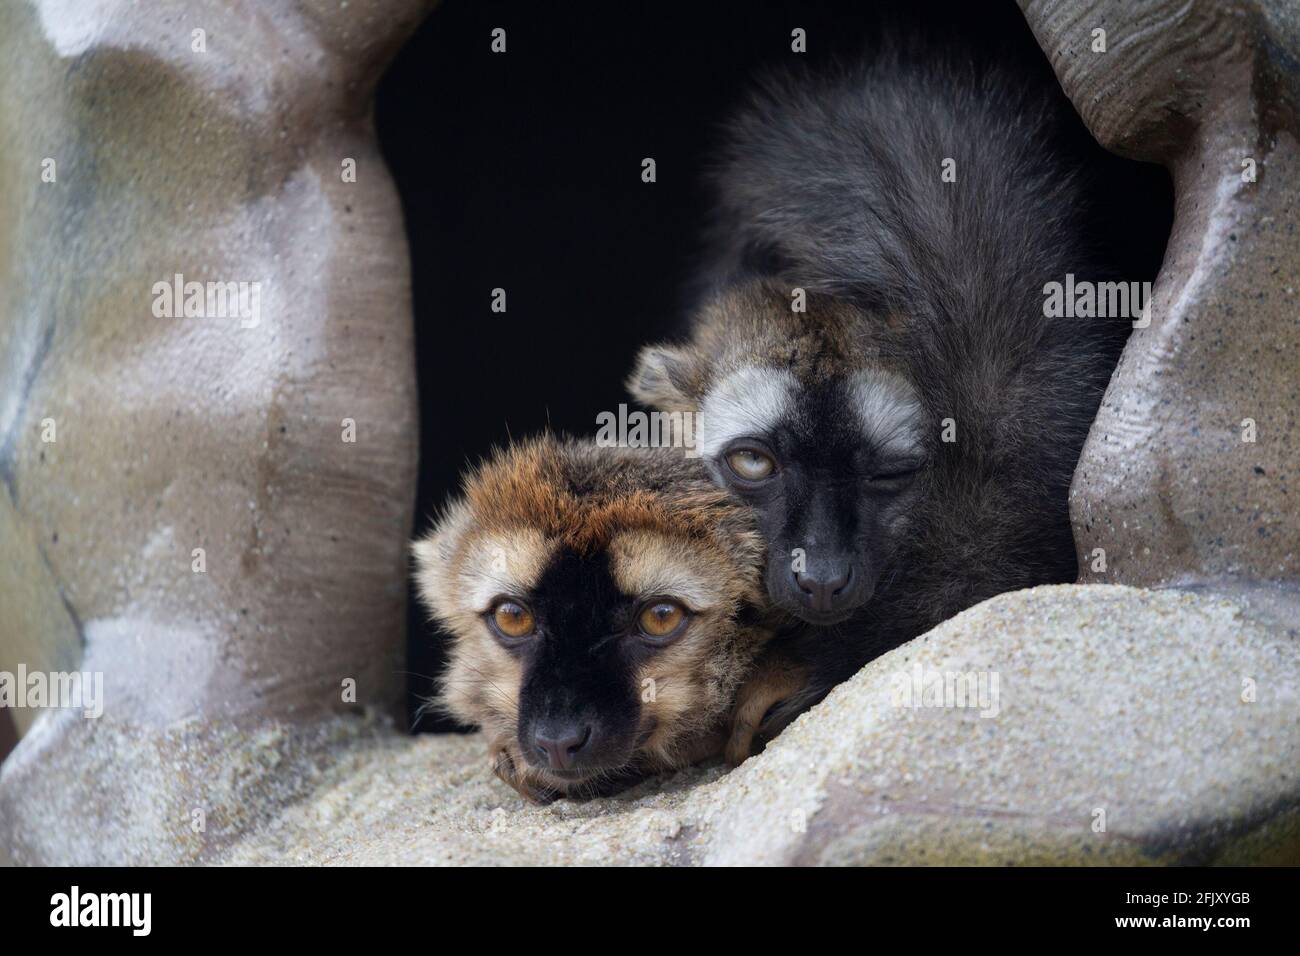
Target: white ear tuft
point(433, 555)
point(428, 569)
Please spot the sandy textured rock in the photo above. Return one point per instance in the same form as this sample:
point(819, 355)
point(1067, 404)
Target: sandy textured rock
point(132, 150)
point(1110, 699)
point(1167, 484)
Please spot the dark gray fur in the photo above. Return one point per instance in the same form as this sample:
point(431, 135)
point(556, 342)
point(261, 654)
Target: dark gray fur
point(833, 184)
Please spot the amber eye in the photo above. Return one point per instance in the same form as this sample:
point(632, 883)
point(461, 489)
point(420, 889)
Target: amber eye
point(749, 464)
point(660, 620)
point(512, 620)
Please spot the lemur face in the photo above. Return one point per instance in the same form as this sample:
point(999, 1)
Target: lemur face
point(593, 597)
point(800, 416)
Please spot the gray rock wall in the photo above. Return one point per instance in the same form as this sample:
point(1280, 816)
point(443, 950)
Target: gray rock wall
point(1191, 473)
point(134, 149)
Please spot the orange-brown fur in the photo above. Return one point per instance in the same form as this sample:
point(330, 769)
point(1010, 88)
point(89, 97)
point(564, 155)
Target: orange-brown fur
point(654, 515)
point(774, 679)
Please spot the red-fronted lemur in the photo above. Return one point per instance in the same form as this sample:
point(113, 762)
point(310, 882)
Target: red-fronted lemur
point(603, 606)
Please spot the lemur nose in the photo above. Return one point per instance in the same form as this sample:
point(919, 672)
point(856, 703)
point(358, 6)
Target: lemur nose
point(820, 590)
point(559, 745)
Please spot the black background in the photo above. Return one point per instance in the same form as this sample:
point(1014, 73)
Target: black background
point(333, 908)
point(523, 171)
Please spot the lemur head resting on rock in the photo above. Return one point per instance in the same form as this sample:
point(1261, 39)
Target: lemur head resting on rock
point(599, 603)
point(909, 439)
point(802, 415)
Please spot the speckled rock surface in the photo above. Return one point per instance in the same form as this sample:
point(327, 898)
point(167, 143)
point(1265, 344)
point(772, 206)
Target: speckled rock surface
point(1111, 701)
point(1192, 470)
point(224, 163)
point(211, 140)
point(132, 794)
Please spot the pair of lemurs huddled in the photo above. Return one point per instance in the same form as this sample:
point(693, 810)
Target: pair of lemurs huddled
point(896, 452)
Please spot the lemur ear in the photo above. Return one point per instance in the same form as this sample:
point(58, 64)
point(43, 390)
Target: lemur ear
point(433, 555)
point(663, 378)
point(428, 569)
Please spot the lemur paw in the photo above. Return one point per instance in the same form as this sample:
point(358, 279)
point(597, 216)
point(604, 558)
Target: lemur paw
point(774, 681)
point(505, 766)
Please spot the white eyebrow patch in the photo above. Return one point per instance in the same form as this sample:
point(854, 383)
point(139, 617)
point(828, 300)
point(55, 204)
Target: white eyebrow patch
point(503, 564)
point(888, 410)
point(646, 564)
point(748, 402)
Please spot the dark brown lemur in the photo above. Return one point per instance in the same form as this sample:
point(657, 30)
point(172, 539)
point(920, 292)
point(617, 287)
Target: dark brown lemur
point(872, 364)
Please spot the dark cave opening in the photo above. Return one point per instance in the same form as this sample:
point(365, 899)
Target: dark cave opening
point(522, 171)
